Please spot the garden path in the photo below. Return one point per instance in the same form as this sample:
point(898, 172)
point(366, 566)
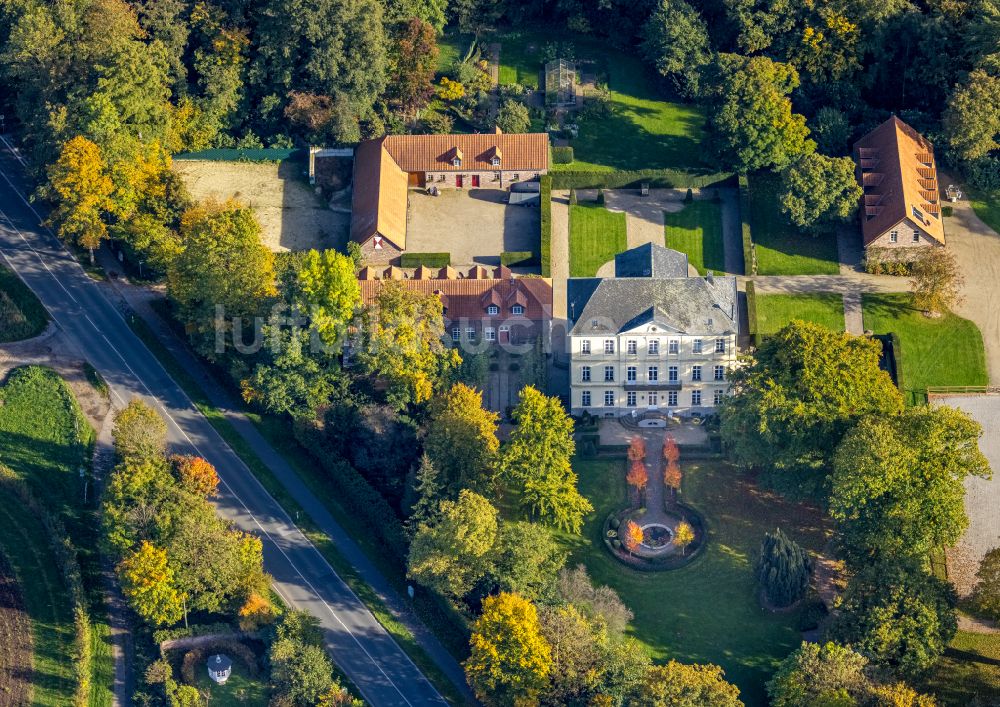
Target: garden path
point(853, 321)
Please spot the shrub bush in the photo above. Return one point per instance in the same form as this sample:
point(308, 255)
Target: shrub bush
point(431, 260)
point(689, 197)
point(562, 155)
point(600, 197)
point(947, 211)
point(782, 570)
point(514, 258)
point(886, 261)
point(572, 197)
point(622, 179)
point(546, 224)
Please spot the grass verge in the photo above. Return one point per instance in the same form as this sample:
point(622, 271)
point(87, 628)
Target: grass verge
point(946, 351)
point(697, 231)
point(22, 316)
point(782, 249)
point(280, 440)
point(775, 311)
point(706, 612)
point(596, 236)
point(987, 207)
point(969, 668)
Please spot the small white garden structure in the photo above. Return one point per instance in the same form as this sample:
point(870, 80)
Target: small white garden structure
point(219, 668)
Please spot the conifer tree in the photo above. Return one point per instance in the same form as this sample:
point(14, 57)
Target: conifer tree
point(783, 569)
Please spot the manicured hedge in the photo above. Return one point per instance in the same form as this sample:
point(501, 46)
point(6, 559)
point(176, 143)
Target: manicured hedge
point(546, 224)
point(753, 329)
point(657, 178)
point(519, 257)
point(431, 260)
point(749, 262)
point(562, 155)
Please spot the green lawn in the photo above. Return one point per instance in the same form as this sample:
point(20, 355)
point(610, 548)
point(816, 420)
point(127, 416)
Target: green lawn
point(987, 207)
point(947, 351)
point(781, 248)
point(240, 689)
point(643, 130)
point(970, 667)
point(22, 316)
point(697, 231)
point(775, 311)
point(706, 612)
point(596, 236)
point(25, 543)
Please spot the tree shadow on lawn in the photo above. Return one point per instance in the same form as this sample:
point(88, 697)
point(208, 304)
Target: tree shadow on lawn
point(618, 141)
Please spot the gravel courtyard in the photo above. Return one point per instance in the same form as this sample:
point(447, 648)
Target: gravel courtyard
point(474, 225)
point(982, 497)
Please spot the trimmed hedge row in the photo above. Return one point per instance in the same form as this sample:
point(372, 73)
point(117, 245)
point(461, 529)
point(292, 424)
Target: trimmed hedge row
point(749, 259)
point(752, 328)
point(430, 260)
point(546, 224)
point(519, 257)
point(66, 560)
point(562, 155)
point(658, 178)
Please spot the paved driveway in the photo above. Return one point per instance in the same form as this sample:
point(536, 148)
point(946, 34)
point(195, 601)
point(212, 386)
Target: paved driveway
point(982, 496)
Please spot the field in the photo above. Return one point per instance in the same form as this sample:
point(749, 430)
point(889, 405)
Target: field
point(970, 667)
point(781, 248)
point(15, 639)
point(775, 311)
point(947, 351)
point(240, 689)
point(706, 612)
point(697, 231)
point(291, 216)
point(641, 131)
point(25, 543)
point(596, 236)
point(987, 207)
point(21, 314)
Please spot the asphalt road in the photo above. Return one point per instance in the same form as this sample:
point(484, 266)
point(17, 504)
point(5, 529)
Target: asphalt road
point(359, 645)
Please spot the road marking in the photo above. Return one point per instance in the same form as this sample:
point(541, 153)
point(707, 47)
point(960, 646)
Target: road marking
point(237, 457)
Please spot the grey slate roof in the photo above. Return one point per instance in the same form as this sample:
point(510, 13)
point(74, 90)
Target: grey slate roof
point(651, 260)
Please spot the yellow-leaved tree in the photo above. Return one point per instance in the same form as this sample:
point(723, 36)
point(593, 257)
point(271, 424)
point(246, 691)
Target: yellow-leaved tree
point(148, 584)
point(510, 660)
point(81, 189)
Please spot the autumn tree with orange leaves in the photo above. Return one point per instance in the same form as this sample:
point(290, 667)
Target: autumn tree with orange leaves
point(196, 475)
point(632, 537)
point(637, 478)
point(636, 449)
point(672, 472)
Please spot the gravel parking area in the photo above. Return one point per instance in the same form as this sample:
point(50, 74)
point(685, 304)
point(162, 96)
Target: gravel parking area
point(474, 225)
point(982, 496)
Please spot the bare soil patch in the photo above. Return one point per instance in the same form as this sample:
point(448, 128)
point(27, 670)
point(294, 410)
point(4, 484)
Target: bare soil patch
point(291, 214)
point(15, 641)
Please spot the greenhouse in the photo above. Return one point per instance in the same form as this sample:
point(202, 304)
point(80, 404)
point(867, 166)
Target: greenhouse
point(560, 83)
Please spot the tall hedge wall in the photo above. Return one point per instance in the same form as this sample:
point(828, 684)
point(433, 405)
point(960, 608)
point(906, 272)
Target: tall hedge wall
point(656, 178)
point(546, 225)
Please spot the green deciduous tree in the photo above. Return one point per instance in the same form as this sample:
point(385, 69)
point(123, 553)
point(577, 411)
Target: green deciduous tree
point(819, 191)
point(537, 461)
point(937, 280)
point(454, 549)
point(139, 432)
point(509, 660)
point(402, 344)
point(81, 189)
point(148, 584)
point(987, 593)
point(412, 65)
point(462, 440)
point(751, 122)
point(527, 561)
point(897, 488)
point(972, 118)
point(679, 685)
point(793, 402)
point(599, 603)
point(578, 648)
point(301, 671)
point(814, 673)
point(331, 294)
point(783, 569)
point(513, 117)
point(831, 131)
point(899, 616)
point(675, 40)
point(223, 272)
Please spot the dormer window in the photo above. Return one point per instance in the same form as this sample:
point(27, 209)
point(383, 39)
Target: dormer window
point(517, 309)
point(456, 162)
point(493, 310)
point(495, 161)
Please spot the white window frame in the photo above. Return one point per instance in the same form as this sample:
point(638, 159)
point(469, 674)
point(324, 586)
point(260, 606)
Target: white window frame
point(470, 333)
point(695, 398)
point(609, 374)
point(720, 346)
point(456, 333)
point(916, 236)
point(672, 398)
point(585, 374)
point(493, 310)
point(717, 396)
point(673, 346)
point(653, 374)
point(653, 347)
point(490, 333)
point(672, 374)
point(719, 373)
point(609, 398)
point(609, 346)
point(696, 373)
point(456, 162)
point(585, 398)
point(696, 346)
point(517, 309)
point(893, 236)
point(585, 346)
point(630, 398)
point(630, 347)
point(630, 374)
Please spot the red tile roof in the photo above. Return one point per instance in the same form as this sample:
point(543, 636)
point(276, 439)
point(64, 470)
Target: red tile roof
point(434, 153)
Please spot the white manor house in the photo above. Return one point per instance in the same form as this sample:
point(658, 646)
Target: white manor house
point(651, 338)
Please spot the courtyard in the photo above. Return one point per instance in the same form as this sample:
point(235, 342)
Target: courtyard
point(475, 226)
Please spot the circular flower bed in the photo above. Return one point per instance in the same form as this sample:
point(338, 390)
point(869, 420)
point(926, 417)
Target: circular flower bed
point(656, 536)
point(656, 551)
